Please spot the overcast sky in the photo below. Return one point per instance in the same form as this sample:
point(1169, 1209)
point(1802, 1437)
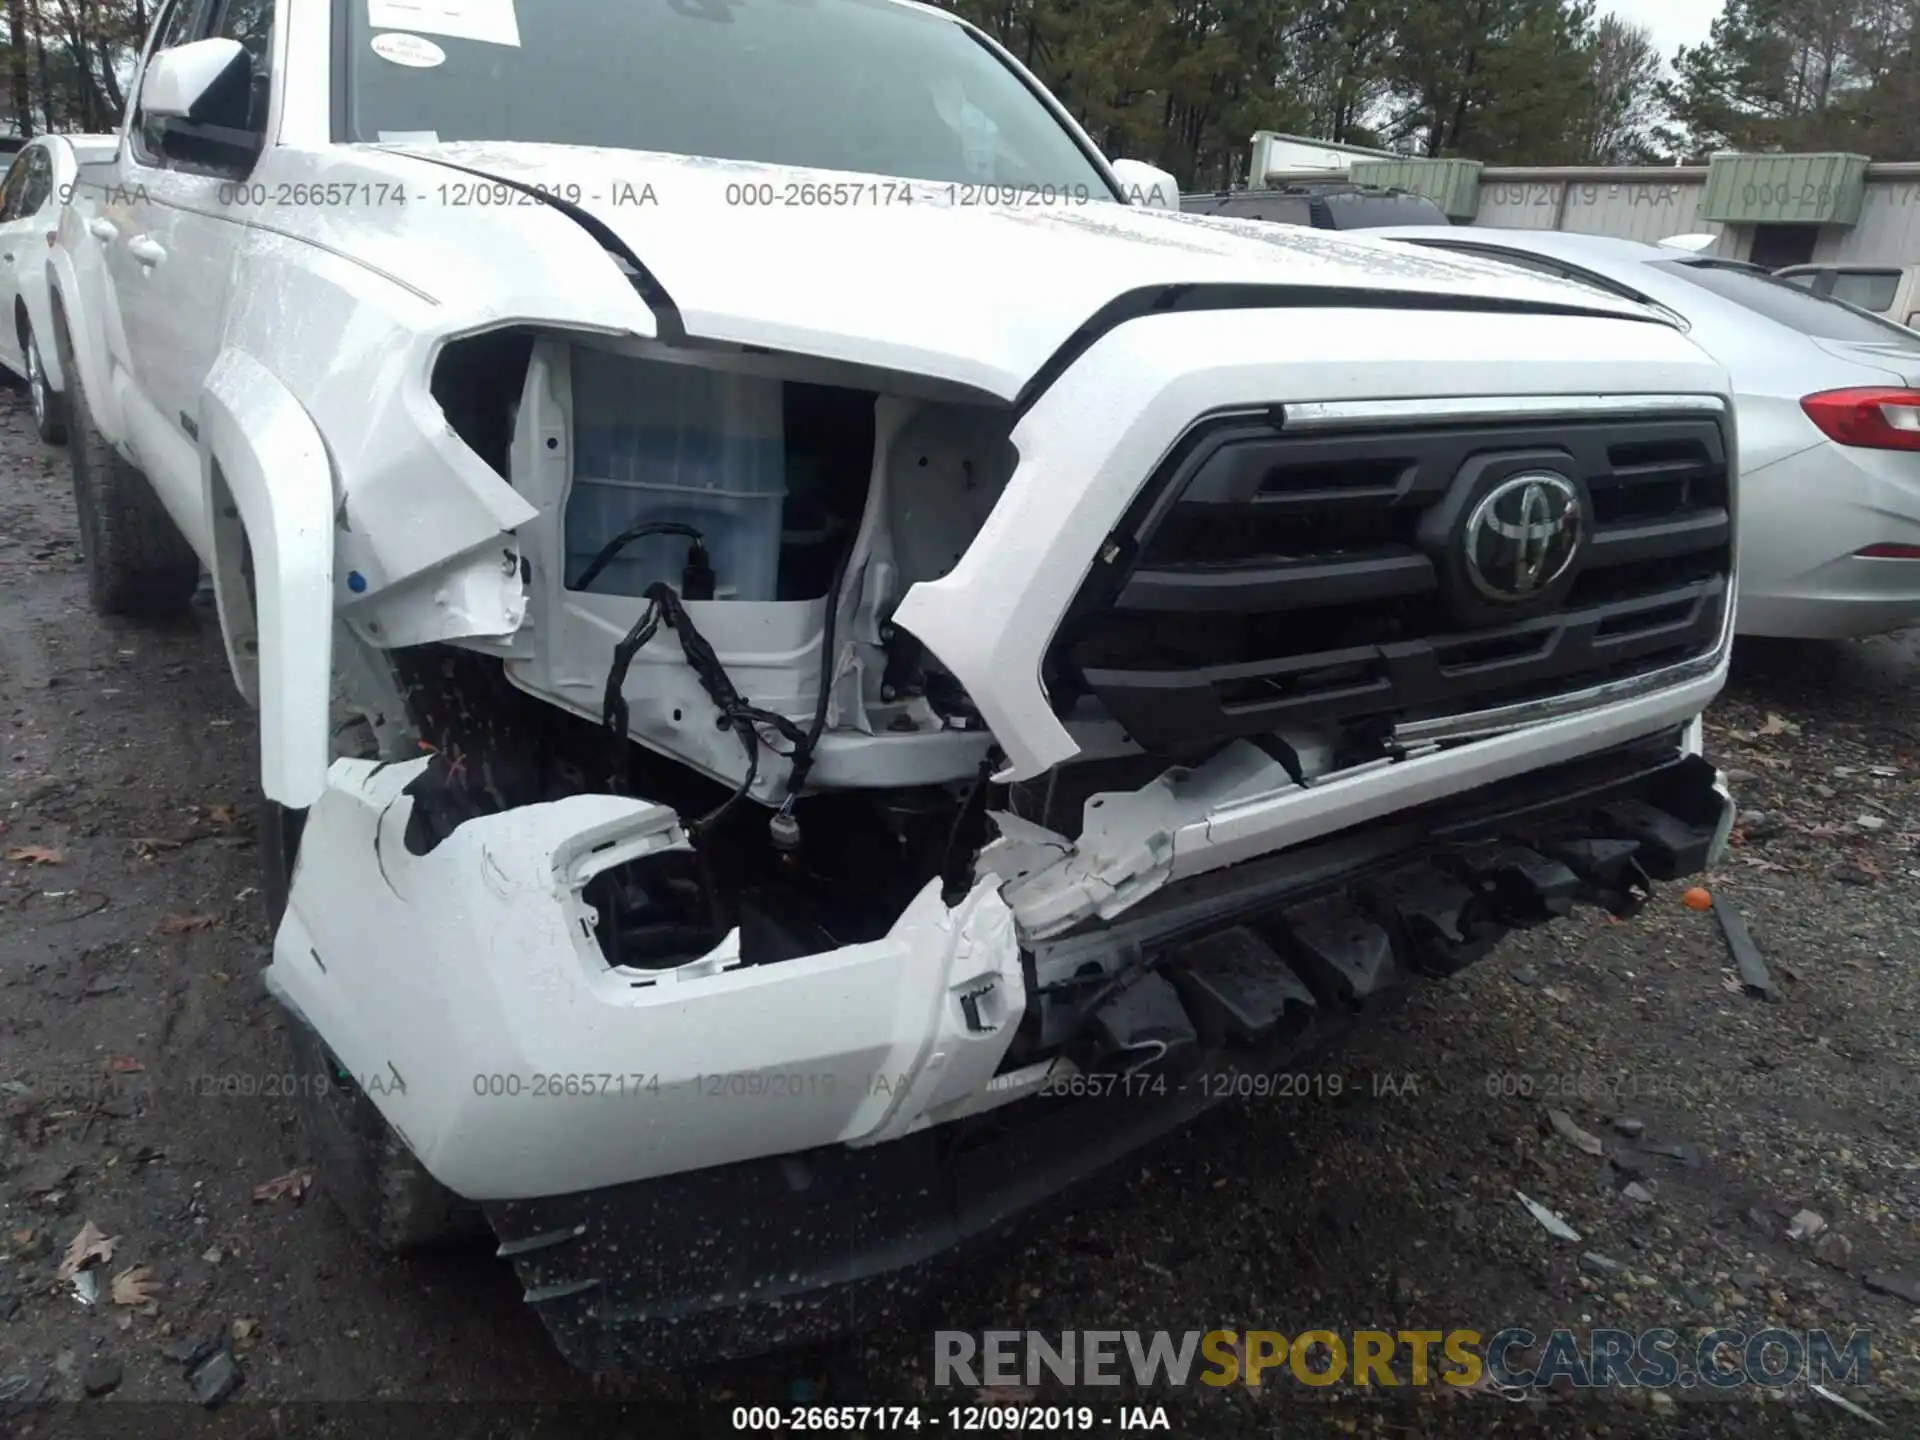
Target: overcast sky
point(1673, 23)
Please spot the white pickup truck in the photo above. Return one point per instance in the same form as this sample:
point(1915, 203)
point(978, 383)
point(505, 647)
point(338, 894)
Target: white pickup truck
point(828, 665)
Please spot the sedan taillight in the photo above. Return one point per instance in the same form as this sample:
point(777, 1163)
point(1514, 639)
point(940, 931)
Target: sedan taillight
point(1872, 418)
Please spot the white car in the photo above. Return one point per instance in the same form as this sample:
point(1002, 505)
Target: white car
point(36, 186)
point(1828, 401)
point(935, 671)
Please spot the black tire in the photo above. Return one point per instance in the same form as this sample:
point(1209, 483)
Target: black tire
point(49, 406)
point(363, 1167)
point(138, 562)
point(366, 1170)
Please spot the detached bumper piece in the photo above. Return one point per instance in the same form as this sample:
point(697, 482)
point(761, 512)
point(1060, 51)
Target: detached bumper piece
point(1242, 970)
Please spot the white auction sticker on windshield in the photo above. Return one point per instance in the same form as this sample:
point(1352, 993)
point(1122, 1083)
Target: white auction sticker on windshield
point(409, 50)
point(492, 22)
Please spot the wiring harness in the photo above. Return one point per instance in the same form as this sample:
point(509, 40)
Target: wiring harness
point(665, 607)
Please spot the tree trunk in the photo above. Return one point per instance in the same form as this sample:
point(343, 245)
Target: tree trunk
point(40, 68)
point(116, 102)
point(17, 61)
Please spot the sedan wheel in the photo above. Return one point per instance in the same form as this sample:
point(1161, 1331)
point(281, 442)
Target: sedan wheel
point(48, 418)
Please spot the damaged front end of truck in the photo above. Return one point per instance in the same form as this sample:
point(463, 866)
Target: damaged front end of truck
point(878, 805)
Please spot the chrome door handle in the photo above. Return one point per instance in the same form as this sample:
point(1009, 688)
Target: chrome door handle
point(148, 252)
point(103, 229)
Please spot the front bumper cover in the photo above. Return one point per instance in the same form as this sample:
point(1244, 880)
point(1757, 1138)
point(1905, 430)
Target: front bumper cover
point(1265, 961)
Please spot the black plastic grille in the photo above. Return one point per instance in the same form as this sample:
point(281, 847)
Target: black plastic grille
point(1266, 578)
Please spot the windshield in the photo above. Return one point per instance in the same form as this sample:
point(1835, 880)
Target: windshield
point(1790, 305)
point(855, 85)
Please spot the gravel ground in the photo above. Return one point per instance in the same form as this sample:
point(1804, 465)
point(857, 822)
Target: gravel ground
point(131, 939)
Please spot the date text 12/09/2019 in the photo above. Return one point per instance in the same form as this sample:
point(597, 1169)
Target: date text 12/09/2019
point(962, 1419)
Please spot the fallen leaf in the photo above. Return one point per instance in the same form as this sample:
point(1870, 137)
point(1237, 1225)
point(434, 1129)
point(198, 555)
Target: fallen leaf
point(245, 1329)
point(1564, 1126)
point(124, 1065)
point(293, 1185)
point(22, 1239)
point(38, 855)
point(147, 846)
point(135, 1287)
point(86, 1248)
point(221, 815)
point(1556, 994)
point(1778, 725)
point(1549, 1221)
point(184, 924)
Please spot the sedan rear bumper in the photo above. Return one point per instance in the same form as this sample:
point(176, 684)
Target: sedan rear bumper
point(1804, 521)
point(1844, 599)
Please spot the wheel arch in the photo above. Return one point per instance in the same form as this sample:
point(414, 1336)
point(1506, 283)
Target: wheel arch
point(267, 484)
point(84, 362)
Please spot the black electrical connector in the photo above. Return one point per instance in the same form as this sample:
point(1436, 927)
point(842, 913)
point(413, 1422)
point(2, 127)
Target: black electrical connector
point(697, 579)
point(698, 564)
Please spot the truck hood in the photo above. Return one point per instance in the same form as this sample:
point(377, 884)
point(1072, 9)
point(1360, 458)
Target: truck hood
point(973, 289)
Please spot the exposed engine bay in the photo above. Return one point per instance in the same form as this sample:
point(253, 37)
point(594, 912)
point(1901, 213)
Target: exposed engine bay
point(710, 584)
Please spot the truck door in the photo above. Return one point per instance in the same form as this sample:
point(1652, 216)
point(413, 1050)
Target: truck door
point(177, 263)
point(134, 228)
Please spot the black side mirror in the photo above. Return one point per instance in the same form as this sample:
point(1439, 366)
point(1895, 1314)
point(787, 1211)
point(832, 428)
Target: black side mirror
point(215, 130)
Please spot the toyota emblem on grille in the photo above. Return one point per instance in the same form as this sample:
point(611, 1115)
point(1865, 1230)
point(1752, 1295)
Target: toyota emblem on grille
point(1522, 535)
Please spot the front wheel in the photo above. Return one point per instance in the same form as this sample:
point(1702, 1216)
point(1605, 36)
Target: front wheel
point(361, 1164)
point(364, 1168)
point(49, 408)
point(138, 563)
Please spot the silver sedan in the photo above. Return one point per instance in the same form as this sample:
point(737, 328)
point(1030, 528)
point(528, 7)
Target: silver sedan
point(1828, 407)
